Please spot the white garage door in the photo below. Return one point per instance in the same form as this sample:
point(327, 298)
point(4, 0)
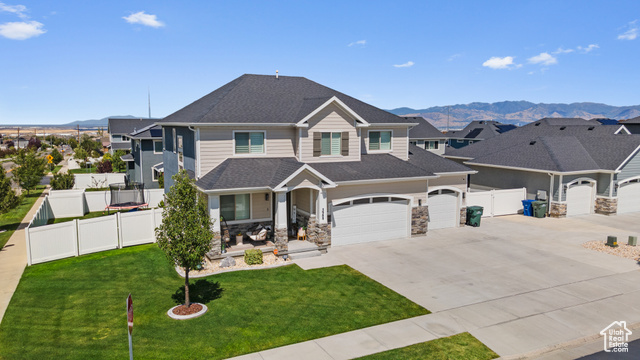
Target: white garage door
point(629, 197)
point(579, 200)
point(370, 219)
point(443, 209)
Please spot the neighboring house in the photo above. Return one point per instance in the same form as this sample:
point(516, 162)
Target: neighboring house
point(285, 150)
point(119, 130)
point(426, 136)
point(477, 131)
point(633, 125)
point(145, 160)
point(583, 168)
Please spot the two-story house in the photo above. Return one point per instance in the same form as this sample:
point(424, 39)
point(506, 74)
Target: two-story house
point(426, 136)
point(279, 150)
point(120, 128)
point(145, 160)
point(475, 131)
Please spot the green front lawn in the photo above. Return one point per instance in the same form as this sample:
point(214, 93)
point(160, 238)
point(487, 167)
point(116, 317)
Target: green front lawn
point(461, 346)
point(84, 170)
point(9, 221)
point(56, 169)
point(75, 308)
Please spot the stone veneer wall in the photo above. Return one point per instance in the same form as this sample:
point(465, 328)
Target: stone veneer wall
point(463, 215)
point(419, 220)
point(557, 209)
point(281, 240)
point(320, 234)
point(243, 228)
point(606, 206)
point(216, 244)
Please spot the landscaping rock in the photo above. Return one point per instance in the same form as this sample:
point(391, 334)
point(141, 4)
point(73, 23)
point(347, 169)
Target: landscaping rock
point(228, 262)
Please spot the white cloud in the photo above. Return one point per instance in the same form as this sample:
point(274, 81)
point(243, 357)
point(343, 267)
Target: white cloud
point(544, 59)
point(631, 33)
point(563, 51)
point(454, 56)
point(589, 48)
point(500, 63)
point(144, 19)
point(407, 64)
point(21, 30)
point(19, 10)
point(359, 42)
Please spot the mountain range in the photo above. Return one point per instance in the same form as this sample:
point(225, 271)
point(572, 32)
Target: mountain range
point(99, 122)
point(516, 112)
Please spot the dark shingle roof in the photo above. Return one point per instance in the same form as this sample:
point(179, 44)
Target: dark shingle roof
point(559, 148)
point(265, 99)
point(372, 166)
point(127, 126)
point(151, 131)
point(127, 157)
point(635, 120)
point(249, 173)
point(481, 130)
point(424, 129)
point(121, 145)
point(431, 162)
point(562, 121)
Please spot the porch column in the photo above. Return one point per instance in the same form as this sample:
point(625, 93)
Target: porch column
point(281, 237)
point(323, 210)
point(214, 214)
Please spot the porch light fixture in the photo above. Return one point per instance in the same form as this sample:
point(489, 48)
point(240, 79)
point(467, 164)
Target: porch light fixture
point(419, 202)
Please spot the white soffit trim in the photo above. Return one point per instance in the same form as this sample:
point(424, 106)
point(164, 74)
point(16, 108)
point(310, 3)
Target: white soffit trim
point(633, 153)
point(334, 99)
point(622, 128)
point(311, 170)
point(542, 171)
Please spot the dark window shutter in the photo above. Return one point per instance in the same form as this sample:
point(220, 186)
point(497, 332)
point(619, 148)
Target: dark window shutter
point(317, 144)
point(345, 143)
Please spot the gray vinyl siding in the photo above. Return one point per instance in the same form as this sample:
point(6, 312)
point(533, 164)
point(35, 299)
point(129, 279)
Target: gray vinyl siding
point(149, 159)
point(631, 168)
point(510, 179)
point(569, 178)
point(170, 159)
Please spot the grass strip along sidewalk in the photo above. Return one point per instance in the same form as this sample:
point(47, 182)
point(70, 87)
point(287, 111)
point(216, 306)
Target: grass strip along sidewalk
point(11, 220)
point(75, 308)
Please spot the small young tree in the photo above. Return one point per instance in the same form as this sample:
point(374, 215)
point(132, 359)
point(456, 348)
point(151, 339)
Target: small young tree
point(29, 169)
point(186, 231)
point(57, 157)
point(104, 166)
point(81, 154)
point(63, 181)
point(8, 197)
point(34, 144)
point(117, 163)
point(73, 143)
point(161, 181)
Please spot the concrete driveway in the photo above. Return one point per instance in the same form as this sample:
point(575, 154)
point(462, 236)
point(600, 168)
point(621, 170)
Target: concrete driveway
point(521, 285)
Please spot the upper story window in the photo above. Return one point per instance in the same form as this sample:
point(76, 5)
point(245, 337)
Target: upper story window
point(249, 142)
point(124, 138)
point(379, 140)
point(173, 137)
point(116, 138)
point(431, 145)
point(157, 147)
point(331, 143)
point(180, 152)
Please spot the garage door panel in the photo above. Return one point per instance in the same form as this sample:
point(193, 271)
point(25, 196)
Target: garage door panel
point(443, 210)
point(579, 200)
point(629, 198)
point(359, 223)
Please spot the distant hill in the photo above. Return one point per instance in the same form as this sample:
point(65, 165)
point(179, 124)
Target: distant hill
point(100, 122)
point(516, 112)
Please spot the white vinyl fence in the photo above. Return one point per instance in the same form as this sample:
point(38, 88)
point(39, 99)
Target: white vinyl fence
point(498, 202)
point(84, 181)
point(74, 203)
point(79, 237)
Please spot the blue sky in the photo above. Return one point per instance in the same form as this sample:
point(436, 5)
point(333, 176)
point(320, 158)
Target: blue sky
point(76, 60)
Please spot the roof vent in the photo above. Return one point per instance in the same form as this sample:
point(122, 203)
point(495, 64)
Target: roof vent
point(276, 74)
point(532, 143)
point(562, 128)
point(591, 128)
point(537, 124)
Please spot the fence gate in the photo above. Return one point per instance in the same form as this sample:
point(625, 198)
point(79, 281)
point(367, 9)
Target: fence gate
point(498, 202)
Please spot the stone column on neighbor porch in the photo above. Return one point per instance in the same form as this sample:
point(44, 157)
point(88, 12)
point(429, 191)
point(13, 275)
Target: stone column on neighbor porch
point(557, 209)
point(214, 214)
point(281, 238)
point(463, 215)
point(606, 206)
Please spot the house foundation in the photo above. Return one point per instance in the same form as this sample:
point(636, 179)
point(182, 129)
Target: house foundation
point(419, 220)
point(557, 210)
point(606, 206)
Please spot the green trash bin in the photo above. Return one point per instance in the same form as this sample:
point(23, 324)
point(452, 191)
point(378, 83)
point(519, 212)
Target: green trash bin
point(474, 214)
point(539, 209)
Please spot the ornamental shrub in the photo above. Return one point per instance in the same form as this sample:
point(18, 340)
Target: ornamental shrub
point(253, 257)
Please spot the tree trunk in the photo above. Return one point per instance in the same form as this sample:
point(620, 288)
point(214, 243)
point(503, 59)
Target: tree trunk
point(187, 303)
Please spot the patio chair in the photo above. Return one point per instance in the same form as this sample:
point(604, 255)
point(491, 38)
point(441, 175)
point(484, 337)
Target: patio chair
point(257, 235)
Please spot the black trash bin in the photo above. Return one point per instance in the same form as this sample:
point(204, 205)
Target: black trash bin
point(474, 214)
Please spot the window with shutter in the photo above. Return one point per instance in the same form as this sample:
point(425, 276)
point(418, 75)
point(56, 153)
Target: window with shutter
point(330, 143)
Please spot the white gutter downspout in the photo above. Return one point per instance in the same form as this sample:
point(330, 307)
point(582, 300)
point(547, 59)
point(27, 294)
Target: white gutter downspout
point(550, 187)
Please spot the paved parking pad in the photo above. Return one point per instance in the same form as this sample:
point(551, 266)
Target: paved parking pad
point(519, 284)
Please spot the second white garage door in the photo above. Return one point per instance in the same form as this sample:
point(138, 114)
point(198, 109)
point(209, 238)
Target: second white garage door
point(443, 209)
point(579, 200)
point(629, 197)
point(370, 219)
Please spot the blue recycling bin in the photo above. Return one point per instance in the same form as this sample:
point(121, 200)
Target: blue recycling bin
point(527, 207)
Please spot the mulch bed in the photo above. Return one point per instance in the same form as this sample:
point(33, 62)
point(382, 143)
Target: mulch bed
point(183, 310)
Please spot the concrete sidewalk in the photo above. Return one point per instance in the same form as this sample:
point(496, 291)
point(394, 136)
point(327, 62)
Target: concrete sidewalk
point(523, 286)
point(13, 258)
